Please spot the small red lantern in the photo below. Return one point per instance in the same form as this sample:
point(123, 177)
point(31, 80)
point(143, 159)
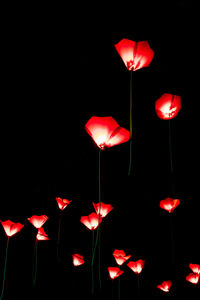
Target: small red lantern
point(136, 266)
point(168, 106)
point(41, 235)
point(102, 209)
point(195, 268)
point(77, 260)
point(11, 228)
point(135, 55)
point(193, 278)
point(114, 272)
point(169, 204)
point(165, 286)
point(106, 132)
point(120, 256)
point(38, 221)
point(62, 203)
point(92, 221)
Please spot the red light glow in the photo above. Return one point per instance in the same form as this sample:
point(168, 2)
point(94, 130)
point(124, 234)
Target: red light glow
point(62, 203)
point(41, 235)
point(165, 286)
point(120, 256)
point(168, 106)
point(77, 260)
point(38, 221)
point(169, 204)
point(114, 272)
point(106, 132)
point(92, 221)
point(136, 266)
point(195, 268)
point(102, 209)
point(11, 228)
point(193, 278)
point(135, 55)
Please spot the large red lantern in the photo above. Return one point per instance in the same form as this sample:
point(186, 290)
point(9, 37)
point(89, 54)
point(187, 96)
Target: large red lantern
point(135, 55)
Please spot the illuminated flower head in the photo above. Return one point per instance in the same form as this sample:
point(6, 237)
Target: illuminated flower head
point(106, 132)
point(114, 272)
point(38, 221)
point(102, 209)
point(193, 278)
point(136, 266)
point(92, 221)
point(168, 106)
point(135, 55)
point(165, 286)
point(77, 260)
point(120, 256)
point(169, 204)
point(11, 228)
point(62, 203)
point(195, 268)
point(41, 235)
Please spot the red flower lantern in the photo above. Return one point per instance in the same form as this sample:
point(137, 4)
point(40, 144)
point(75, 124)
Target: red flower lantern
point(135, 55)
point(38, 221)
point(114, 272)
point(102, 209)
point(62, 203)
point(136, 266)
point(165, 286)
point(169, 204)
point(195, 268)
point(92, 221)
point(120, 256)
point(168, 106)
point(193, 278)
point(77, 260)
point(11, 228)
point(41, 235)
point(106, 132)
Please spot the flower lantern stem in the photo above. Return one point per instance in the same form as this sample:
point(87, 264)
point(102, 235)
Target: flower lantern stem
point(119, 292)
point(5, 267)
point(35, 263)
point(138, 284)
point(131, 122)
point(58, 238)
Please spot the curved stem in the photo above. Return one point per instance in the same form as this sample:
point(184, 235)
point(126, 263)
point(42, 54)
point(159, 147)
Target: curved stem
point(5, 267)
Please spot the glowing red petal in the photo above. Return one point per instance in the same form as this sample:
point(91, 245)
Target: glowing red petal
point(102, 209)
point(169, 204)
point(41, 235)
point(77, 260)
point(165, 286)
point(106, 132)
point(11, 228)
point(114, 272)
point(38, 221)
point(135, 55)
point(168, 106)
point(92, 221)
point(195, 268)
point(120, 256)
point(193, 278)
point(62, 203)
point(136, 266)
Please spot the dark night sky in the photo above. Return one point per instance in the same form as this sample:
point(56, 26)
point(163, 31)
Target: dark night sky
point(59, 68)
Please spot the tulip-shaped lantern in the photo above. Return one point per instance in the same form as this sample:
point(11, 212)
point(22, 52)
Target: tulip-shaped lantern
point(135, 55)
point(137, 267)
point(10, 229)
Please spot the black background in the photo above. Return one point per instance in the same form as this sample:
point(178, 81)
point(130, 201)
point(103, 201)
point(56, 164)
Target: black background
point(59, 68)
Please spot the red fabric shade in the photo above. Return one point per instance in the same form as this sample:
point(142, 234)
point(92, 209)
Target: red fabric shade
point(168, 106)
point(195, 268)
point(11, 228)
point(38, 221)
point(165, 286)
point(62, 203)
point(92, 221)
point(135, 55)
point(77, 260)
point(120, 256)
point(106, 132)
point(41, 235)
point(136, 266)
point(193, 278)
point(169, 204)
point(102, 209)
point(114, 272)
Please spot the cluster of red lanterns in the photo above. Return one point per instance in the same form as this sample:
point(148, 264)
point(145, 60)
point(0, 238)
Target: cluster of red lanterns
point(106, 133)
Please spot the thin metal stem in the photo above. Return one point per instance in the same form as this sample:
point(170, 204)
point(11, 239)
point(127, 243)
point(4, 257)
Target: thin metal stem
point(5, 267)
